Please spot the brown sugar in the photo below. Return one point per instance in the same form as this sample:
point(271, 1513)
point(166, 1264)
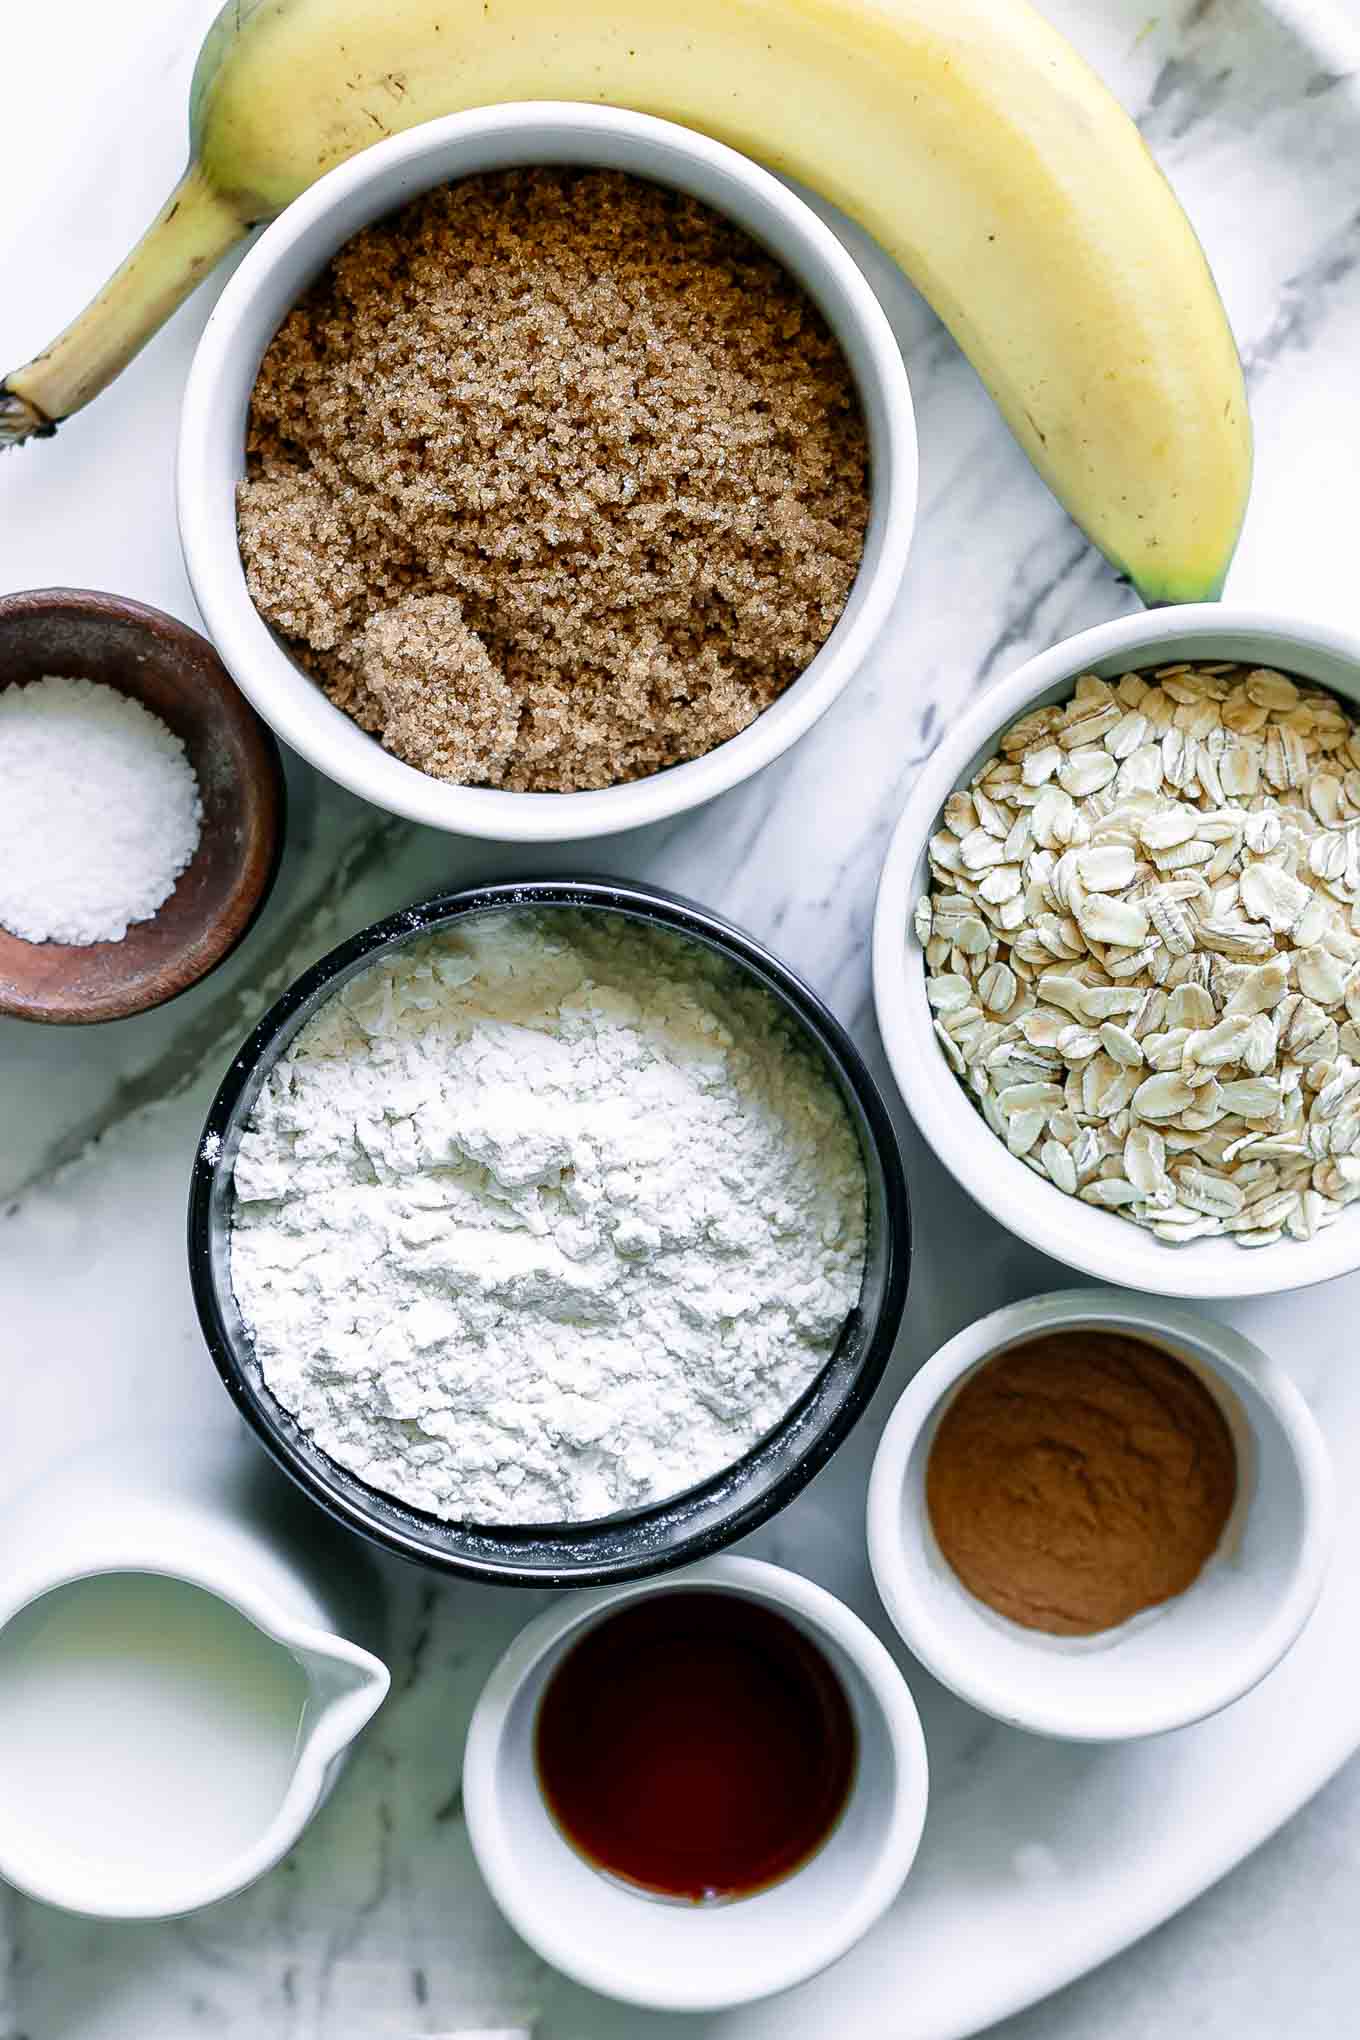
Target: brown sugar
point(445, 705)
point(1080, 1478)
point(554, 478)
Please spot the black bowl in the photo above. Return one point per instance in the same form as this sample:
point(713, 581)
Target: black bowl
point(690, 1525)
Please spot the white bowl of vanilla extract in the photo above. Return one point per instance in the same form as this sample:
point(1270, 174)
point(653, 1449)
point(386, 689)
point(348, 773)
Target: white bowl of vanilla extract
point(692, 1792)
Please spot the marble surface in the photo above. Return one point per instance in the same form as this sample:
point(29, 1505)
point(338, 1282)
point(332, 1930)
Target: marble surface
point(1038, 1859)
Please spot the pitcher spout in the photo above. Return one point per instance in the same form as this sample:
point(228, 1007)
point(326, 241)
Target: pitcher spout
point(346, 1687)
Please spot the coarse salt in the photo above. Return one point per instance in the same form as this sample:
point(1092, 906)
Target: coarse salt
point(100, 811)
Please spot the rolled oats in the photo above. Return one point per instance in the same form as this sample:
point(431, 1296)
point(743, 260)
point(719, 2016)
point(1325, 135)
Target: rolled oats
point(1142, 944)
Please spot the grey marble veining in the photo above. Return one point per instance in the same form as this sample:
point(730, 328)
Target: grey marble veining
point(377, 1925)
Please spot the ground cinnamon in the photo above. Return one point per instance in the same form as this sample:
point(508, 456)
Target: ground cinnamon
point(1080, 1478)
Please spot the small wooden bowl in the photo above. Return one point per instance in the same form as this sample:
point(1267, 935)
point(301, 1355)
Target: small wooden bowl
point(173, 671)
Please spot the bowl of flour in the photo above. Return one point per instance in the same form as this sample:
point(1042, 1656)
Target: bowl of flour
point(550, 1234)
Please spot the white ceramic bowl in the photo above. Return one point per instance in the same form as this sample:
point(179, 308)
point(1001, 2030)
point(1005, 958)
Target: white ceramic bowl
point(299, 244)
point(1099, 1242)
point(1172, 1665)
point(686, 1957)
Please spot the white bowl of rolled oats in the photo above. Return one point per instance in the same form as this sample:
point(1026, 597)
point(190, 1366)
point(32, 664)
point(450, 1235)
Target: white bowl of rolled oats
point(1117, 952)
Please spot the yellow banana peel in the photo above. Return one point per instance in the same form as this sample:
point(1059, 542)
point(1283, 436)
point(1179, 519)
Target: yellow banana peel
point(966, 135)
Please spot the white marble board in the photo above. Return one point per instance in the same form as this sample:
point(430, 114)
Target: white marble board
point(1039, 1860)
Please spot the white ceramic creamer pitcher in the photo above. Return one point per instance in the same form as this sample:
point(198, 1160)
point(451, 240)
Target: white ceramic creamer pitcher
point(176, 1698)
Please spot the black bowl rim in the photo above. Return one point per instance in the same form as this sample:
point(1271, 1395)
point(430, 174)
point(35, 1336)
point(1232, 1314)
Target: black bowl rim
point(687, 917)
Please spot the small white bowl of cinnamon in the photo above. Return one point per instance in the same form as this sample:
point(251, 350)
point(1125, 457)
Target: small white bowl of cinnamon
point(1098, 1516)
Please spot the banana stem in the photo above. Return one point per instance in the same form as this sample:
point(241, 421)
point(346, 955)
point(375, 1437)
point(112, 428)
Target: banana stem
point(193, 230)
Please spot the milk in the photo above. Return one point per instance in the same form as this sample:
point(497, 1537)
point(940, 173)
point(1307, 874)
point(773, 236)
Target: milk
point(145, 1726)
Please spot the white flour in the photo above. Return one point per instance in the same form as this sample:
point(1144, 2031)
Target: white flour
point(546, 1219)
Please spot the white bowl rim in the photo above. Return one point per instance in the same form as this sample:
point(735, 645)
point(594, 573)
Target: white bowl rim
point(1229, 1355)
point(1097, 1243)
point(759, 1580)
point(493, 813)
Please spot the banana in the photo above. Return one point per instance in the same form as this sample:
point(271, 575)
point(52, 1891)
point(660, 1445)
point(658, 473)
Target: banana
point(966, 135)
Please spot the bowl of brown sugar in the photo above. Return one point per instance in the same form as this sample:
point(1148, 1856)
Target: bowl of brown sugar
point(546, 471)
point(1100, 1516)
